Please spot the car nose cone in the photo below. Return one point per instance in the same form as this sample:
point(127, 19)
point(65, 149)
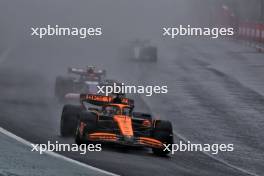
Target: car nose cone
point(129, 139)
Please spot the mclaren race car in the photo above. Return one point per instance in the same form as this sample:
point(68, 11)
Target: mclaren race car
point(86, 81)
point(140, 50)
point(114, 122)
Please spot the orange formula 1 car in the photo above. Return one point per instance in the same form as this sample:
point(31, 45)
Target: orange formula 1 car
point(114, 122)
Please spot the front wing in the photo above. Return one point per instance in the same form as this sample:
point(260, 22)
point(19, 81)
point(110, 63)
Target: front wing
point(123, 140)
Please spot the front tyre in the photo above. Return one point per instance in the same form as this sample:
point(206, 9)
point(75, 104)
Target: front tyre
point(78, 138)
point(69, 119)
point(86, 125)
point(164, 133)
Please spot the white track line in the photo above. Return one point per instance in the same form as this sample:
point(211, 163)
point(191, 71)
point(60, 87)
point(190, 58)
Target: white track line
point(53, 154)
point(217, 159)
point(206, 153)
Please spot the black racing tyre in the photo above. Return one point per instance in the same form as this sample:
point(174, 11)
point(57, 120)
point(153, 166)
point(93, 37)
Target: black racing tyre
point(153, 53)
point(149, 54)
point(90, 119)
point(90, 126)
point(69, 119)
point(62, 87)
point(78, 137)
point(164, 133)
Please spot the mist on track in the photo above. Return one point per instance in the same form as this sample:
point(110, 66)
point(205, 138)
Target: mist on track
point(121, 21)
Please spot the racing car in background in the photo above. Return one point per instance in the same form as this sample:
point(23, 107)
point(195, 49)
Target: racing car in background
point(140, 50)
point(86, 81)
point(114, 122)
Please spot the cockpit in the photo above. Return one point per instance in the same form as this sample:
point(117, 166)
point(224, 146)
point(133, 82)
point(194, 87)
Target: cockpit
point(111, 110)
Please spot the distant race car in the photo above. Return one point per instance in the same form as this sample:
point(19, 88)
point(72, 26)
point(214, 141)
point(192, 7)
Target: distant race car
point(140, 50)
point(114, 122)
point(85, 82)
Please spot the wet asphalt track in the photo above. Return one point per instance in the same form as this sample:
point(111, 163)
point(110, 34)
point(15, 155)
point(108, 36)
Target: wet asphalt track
point(204, 104)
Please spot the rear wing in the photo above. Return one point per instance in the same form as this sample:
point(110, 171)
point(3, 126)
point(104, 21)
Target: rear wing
point(99, 100)
point(77, 71)
point(80, 71)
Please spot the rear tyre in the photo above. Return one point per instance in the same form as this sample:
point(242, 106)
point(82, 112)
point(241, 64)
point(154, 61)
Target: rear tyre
point(69, 119)
point(149, 54)
point(62, 87)
point(164, 133)
point(153, 56)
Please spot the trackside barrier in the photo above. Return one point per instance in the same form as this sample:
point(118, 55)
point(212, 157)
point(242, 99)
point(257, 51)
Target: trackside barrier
point(252, 33)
